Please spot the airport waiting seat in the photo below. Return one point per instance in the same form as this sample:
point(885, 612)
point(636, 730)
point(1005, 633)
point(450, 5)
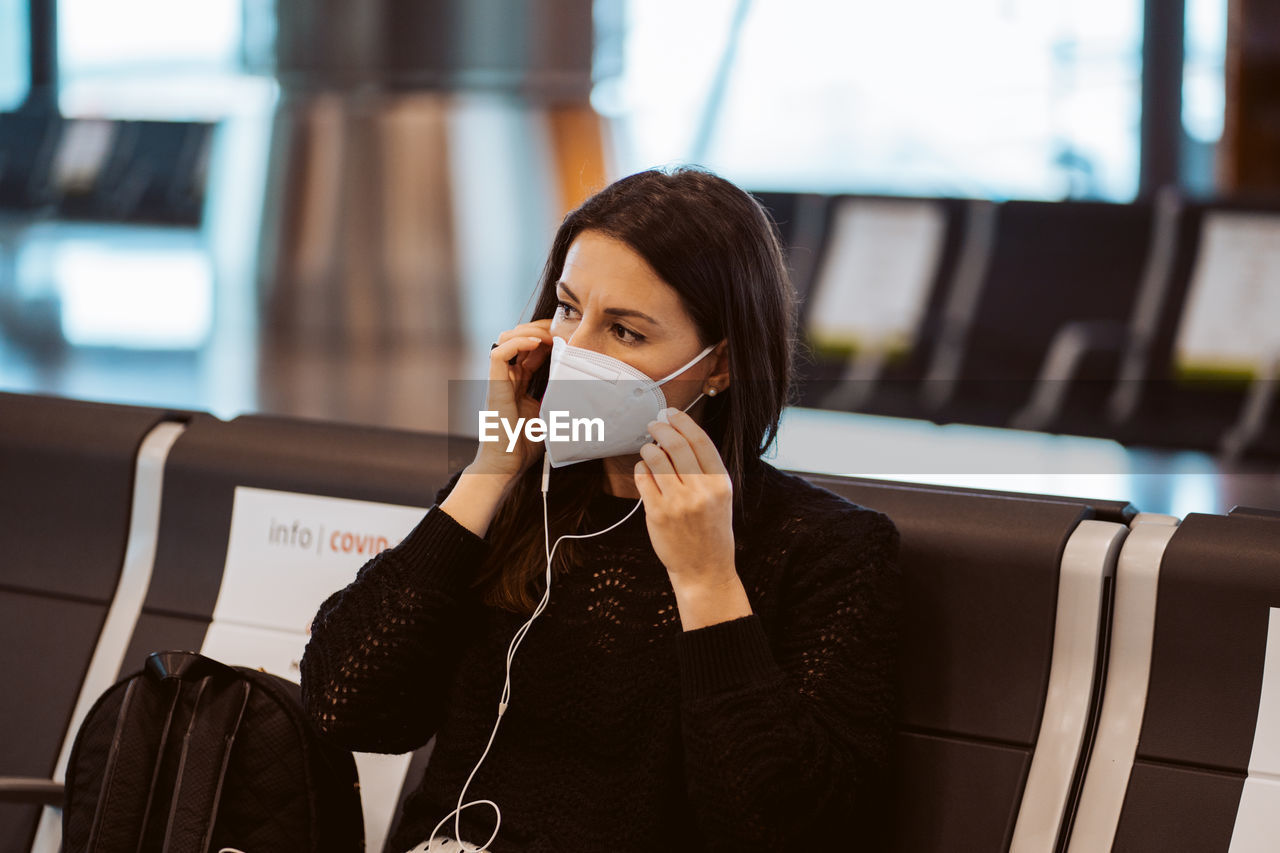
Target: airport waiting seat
point(78, 480)
point(1116, 511)
point(193, 600)
point(1254, 512)
point(1188, 753)
point(263, 518)
point(1053, 272)
point(28, 142)
point(27, 145)
point(149, 172)
point(1004, 626)
point(875, 309)
point(174, 158)
point(1005, 630)
point(1201, 361)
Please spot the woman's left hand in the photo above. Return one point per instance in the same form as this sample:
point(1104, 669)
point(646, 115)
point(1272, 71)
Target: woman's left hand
point(688, 505)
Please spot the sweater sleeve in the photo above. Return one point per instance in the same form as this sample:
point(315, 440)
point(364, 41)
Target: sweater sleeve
point(787, 738)
point(383, 647)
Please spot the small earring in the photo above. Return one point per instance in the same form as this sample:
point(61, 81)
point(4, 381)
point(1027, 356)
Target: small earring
point(711, 392)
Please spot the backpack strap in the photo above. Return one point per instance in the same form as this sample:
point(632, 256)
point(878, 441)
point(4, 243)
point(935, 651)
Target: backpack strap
point(120, 816)
point(202, 766)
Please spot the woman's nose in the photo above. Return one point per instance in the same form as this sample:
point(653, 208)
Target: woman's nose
point(580, 339)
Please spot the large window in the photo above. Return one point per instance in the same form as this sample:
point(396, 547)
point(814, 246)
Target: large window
point(1203, 90)
point(102, 282)
point(15, 56)
point(158, 58)
point(994, 98)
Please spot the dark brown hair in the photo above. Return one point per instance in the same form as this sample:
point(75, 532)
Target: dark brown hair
point(719, 250)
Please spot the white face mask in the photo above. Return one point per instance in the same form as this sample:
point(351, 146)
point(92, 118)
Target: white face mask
point(588, 384)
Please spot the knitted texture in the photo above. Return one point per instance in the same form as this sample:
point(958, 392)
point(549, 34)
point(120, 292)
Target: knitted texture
point(625, 732)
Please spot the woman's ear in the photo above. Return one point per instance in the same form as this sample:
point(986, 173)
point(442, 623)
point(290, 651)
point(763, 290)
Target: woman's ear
point(719, 376)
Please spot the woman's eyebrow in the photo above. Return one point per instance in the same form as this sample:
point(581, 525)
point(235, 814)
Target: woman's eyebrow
point(612, 312)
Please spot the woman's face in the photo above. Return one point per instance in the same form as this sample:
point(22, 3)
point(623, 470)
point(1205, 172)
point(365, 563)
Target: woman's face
point(612, 302)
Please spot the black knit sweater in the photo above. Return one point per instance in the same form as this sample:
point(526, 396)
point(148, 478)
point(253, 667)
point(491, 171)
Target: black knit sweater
point(625, 732)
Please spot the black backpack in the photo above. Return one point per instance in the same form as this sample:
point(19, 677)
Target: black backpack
point(189, 755)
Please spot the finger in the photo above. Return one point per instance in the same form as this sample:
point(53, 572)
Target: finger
point(535, 329)
point(683, 459)
point(663, 472)
point(540, 329)
point(510, 361)
point(649, 491)
point(534, 359)
point(703, 447)
point(527, 330)
point(503, 352)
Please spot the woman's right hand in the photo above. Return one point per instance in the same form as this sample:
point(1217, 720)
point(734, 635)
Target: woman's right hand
point(530, 344)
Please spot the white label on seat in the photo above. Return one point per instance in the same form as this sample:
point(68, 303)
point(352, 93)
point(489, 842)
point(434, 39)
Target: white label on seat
point(874, 283)
point(1258, 819)
point(1229, 322)
point(277, 652)
point(82, 152)
point(288, 552)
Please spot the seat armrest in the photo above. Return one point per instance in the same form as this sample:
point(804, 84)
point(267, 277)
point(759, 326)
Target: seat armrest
point(1255, 411)
point(1062, 361)
point(21, 789)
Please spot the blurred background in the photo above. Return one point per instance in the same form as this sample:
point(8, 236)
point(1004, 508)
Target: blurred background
point(1040, 237)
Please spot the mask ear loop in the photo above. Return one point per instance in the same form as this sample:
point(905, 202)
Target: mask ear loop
point(518, 638)
point(697, 358)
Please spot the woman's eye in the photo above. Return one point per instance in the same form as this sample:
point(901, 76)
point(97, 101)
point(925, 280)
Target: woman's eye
point(622, 332)
point(635, 339)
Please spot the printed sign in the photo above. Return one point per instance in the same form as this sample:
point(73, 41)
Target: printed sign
point(874, 284)
point(288, 552)
point(81, 154)
point(1229, 324)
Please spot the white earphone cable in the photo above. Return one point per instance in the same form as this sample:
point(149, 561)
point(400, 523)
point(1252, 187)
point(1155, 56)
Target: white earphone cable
point(516, 640)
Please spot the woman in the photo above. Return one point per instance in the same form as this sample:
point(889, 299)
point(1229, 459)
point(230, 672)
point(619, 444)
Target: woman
point(715, 672)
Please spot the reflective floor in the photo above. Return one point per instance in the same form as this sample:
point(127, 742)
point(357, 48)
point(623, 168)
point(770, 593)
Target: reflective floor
point(1158, 481)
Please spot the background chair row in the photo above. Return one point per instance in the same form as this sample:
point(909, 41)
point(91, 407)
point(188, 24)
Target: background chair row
point(103, 170)
point(1076, 674)
point(1151, 323)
